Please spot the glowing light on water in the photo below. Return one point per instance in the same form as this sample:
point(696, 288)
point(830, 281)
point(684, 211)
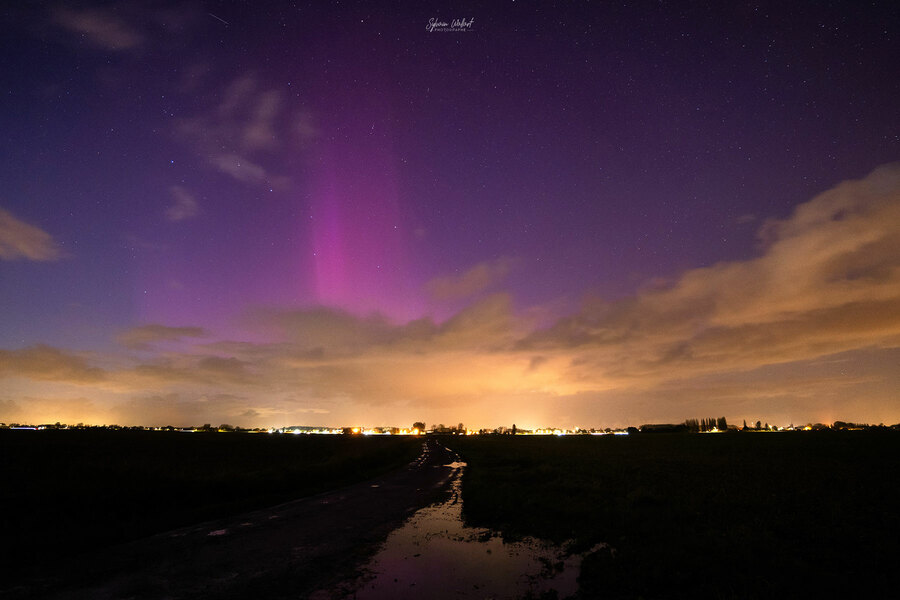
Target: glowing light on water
point(434, 555)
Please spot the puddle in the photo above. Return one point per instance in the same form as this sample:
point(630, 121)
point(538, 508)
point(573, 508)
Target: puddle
point(433, 555)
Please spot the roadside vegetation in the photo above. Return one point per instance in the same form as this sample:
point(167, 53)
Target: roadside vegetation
point(731, 515)
point(67, 492)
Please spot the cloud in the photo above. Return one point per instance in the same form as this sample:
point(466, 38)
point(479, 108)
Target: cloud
point(35, 410)
point(487, 325)
point(259, 133)
point(338, 332)
point(145, 336)
point(134, 243)
point(315, 411)
point(103, 28)
point(328, 332)
point(240, 168)
point(187, 369)
point(361, 363)
point(807, 330)
point(305, 127)
point(21, 240)
point(334, 330)
point(828, 281)
point(246, 129)
point(185, 206)
point(182, 409)
point(474, 281)
point(45, 363)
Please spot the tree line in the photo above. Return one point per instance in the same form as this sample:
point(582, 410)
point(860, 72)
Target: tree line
point(708, 424)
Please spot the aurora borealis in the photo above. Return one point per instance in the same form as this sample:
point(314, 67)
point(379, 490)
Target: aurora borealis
point(581, 214)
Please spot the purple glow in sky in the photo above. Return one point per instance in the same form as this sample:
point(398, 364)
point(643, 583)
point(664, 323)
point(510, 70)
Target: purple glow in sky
point(571, 214)
point(359, 248)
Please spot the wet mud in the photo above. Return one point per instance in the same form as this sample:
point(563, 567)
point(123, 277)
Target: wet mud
point(434, 555)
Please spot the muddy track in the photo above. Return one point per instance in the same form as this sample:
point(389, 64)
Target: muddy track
point(286, 551)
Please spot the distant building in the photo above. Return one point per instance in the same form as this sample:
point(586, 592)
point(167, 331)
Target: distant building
point(662, 428)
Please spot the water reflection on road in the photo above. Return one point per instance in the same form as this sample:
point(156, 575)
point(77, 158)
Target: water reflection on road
point(433, 555)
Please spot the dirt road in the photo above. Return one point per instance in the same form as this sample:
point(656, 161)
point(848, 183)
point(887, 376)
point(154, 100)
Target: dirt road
point(287, 551)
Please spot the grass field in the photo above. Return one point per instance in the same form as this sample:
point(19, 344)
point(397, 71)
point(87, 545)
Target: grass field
point(65, 492)
point(731, 515)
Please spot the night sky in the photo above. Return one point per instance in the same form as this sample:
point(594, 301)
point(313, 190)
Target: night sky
point(571, 214)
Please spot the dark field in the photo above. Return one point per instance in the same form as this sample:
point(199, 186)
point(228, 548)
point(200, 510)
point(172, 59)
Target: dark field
point(744, 515)
point(67, 492)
